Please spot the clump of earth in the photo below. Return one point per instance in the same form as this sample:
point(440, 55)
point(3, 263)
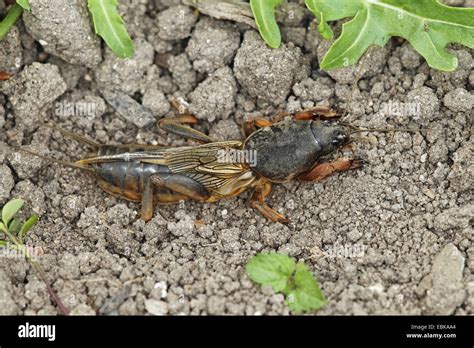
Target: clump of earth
point(395, 237)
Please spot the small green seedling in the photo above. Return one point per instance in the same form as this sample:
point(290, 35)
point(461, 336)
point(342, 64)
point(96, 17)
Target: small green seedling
point(12, 226)
point(15, 232)
point(428, 25)
point(286, 276)
point(107, 23)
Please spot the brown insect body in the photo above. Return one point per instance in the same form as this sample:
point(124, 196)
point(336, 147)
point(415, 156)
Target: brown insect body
point(283, 151)
point(126, 172)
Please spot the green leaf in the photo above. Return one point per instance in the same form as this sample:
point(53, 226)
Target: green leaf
point(24, 3)
point(14, 226)
point(264, 13)
point(324, 28)
point(306, 295)
point(27, 226)
point(10, 209)
point(428, 25)
point(3, 243)
point(271, 269)
point(10, 19)
point(110, 26)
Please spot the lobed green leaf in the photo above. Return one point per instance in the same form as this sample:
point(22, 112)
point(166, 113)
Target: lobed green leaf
point(427, 24)
point(294, 280)
point(271, 269)
point(307, 294)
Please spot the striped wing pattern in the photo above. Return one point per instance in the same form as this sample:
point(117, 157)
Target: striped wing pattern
point(201, 163)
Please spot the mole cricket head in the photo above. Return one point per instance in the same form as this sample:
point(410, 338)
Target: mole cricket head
point(330, 135)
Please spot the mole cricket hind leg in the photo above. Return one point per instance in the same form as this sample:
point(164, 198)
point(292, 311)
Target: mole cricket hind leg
point(179, 184)
point(177, 125)
point(147, 202)
point(324, 112)
point(326, 169)
point(257, 201)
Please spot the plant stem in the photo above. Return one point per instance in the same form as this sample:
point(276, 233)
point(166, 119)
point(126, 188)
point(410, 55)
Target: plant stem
point(12, 16)
point(62, 308)
point(11, 236)
point(39, 269)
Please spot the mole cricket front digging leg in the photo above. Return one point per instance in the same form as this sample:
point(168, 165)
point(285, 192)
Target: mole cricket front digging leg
point(326, 169)
point(324, 112)
point(316, 112)
point(252, 125)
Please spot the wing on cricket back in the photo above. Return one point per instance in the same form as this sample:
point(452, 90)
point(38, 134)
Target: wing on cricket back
point(205, 159)
point(212, 165)
point(206, 164)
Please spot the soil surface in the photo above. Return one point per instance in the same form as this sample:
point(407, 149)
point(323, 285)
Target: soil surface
point(395, 237)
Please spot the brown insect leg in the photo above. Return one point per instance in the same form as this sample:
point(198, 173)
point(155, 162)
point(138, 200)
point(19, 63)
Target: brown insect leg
point(176, 125)
point(252, 125)
point(323, 170)
point(4, 76)
point(316, 112)
point(257, 201)
point(147, 201)
point(181, 184)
